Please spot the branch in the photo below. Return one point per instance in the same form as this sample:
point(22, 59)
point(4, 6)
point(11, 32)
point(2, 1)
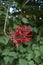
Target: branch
point(25, 3)
point(6, 23)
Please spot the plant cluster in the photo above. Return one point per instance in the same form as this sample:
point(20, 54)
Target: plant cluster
point(21, 32)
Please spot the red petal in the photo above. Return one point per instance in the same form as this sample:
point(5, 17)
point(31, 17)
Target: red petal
point(18, 31)
point(29, 30)
point(29, 35)
point(14, 41)
point(19, 40)
point(24, 28)
point(27, 39)
point(19, 28)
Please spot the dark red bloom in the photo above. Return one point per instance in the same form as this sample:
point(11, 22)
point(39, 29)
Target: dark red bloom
point(21, 34)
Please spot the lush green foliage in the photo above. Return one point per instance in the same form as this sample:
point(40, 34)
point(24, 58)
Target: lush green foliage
point(30, 14)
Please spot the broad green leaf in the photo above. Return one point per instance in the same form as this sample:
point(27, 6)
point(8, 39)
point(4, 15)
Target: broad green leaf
point(41, 64)
point(37, 53)
point(37, 60)
point(13, 54)
point(25, 20)
point(41, 38)
point(22, 62)
point(21, 49)
point(28, 43)
point(31, 63)
point(35, 47)
point(4, 40)
point(42, 56)
point(41, 49)
point(14, 26)
point(7, 59)
point(8, 53)
point(41, 42)
point(30, 56)
point(35, 30)
point(5, 53)
point(38, 37)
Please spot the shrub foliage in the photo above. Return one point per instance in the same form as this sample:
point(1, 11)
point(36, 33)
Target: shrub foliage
point(14, 13)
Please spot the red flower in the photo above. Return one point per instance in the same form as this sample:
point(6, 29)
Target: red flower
point(21, 34)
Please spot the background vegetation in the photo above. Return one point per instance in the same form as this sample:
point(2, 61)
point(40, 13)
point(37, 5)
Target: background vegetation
point(21, 12)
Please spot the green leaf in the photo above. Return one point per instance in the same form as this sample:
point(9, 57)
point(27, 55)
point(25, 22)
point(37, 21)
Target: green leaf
point(31, 63)
point(4, 40)
point(25, 20)
point(37, 60)
point(13, 54)
point(38, 37)
point(41, 42)
point(8, 53)
point(41, 49)
point(14, 26)
point(7, 59)
point(28, 43)
point(41, 64)
point(35, 47)
point(37, 53)
point(35, 30)
point(22, 62)
point(30, 56)
point(6, 50)
point(21, 49)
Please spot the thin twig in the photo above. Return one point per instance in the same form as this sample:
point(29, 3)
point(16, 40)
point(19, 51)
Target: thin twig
point(25, 3)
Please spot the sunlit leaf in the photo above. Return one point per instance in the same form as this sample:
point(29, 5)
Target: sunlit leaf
point(31, 63)
point(30, 56)
point(25, 20)
point(22, 62)
point(4, 40)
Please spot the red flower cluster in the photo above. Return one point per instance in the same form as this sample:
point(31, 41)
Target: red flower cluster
point(21, 34)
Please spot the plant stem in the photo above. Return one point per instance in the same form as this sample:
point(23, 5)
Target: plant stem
point(6, 23)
